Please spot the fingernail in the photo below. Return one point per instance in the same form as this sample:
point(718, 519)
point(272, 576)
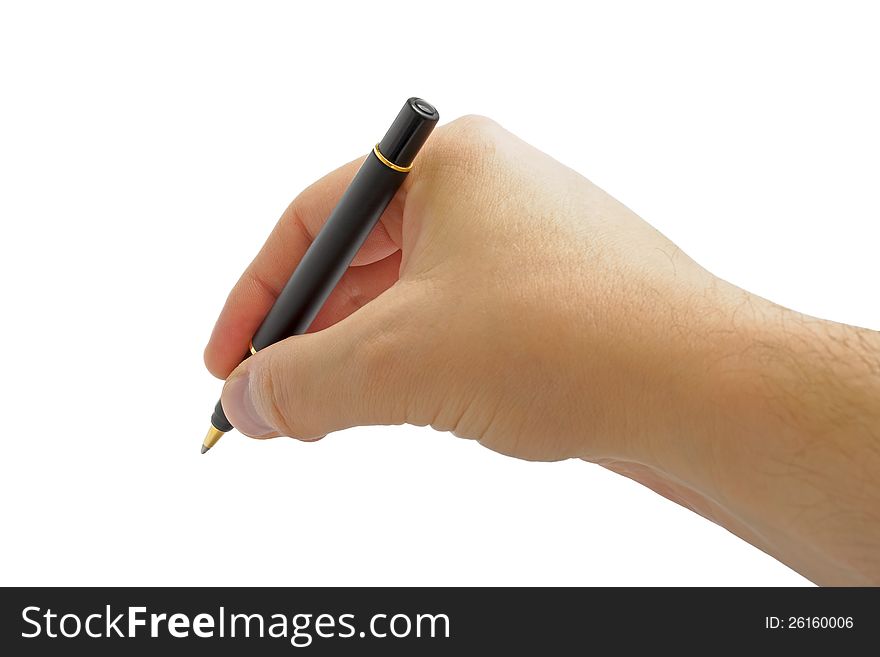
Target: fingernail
point(238, 404)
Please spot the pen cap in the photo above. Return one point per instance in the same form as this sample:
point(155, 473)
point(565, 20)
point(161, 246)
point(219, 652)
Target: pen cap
point(409, 131)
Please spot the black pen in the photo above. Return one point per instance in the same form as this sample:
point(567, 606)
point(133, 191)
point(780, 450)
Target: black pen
point(339, 240)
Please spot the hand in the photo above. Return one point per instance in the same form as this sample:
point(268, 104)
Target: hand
point(502, 297)
point(508, 300)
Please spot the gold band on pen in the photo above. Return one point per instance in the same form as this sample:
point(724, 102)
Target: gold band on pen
point(388, 163)
point(251, 346)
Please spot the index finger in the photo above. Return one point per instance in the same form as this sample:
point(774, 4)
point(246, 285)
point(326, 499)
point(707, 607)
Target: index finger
point(262, 281)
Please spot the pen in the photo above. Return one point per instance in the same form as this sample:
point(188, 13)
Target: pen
point(345, 230)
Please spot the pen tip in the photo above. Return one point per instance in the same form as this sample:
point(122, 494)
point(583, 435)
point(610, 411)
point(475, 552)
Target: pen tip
point(214, 434)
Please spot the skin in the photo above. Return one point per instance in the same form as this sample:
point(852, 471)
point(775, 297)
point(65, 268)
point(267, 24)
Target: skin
point(508, 300)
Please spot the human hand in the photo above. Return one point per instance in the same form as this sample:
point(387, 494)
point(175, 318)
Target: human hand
point(505, 298)
point(502, 297)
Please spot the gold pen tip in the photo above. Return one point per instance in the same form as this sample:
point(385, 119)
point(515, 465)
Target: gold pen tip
point(214, 434)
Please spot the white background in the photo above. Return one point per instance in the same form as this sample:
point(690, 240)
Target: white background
point(147, 150)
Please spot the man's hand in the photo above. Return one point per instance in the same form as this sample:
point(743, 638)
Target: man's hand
point(506, 299)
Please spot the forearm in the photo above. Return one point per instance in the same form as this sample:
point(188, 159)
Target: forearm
point(791, 449)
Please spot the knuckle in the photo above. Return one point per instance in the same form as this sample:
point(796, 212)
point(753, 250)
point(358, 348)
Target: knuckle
point(278, 397)
point(474, 133)
point(295, 215)
point(464, 147)
point(470, 131)
point(476, 124)
point(270, 406)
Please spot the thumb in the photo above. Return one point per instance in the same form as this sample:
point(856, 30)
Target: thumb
point(306, 386)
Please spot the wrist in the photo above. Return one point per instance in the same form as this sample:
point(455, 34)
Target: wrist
point(712, 413)
point(789, 436)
